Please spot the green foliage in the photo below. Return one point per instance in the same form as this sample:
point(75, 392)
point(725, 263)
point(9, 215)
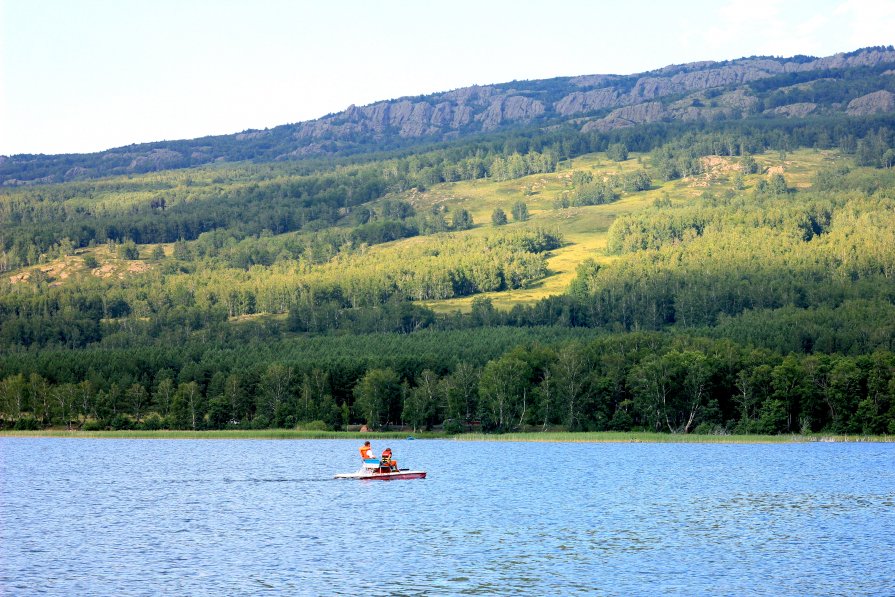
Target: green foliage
point(153, 422)
point(128, 250)
point(595, 194)
point(421, 400)
point(377, 395)
point(498, 217)
point(182, 251)
point(672, 390)
point(381, 232)
point(261, 422)
point(876, 150)
point(581, 178)
point(391, 209)
point(461, 220)
point(503, 391)
point(637, 181)
point(587, 191)
point(27, 424)
point(516, 165)
point(617, 152)
point(520, 211)
point(775, 185)
point(671, 382)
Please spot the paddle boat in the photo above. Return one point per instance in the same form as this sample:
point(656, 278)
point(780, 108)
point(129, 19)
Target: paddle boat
point(374, 469)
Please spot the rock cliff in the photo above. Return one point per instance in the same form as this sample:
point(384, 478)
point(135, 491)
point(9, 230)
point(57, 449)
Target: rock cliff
point(624, 100)
point(872, 103)
point(794, 87)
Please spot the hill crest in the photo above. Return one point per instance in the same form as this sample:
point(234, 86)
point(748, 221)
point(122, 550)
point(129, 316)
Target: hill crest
point(699, 91)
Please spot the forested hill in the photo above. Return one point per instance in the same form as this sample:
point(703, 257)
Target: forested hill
point(705, 248)
point(858, 83)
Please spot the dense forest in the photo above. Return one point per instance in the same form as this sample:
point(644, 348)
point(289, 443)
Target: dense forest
point(740, 277)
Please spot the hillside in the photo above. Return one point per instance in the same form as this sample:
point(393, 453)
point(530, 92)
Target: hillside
point(730, 275)
point(547, 197)
point(858, 83)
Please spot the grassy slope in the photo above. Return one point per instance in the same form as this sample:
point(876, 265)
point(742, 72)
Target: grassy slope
point(584, 228)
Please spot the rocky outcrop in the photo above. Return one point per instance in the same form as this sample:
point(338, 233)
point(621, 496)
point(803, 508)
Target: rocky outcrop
point(73, 173)
point(587, 101)
point(14, 182)
point(872, 103)
point(157, 159)
point(303, 151)
point(515, 108)
point(739, 99)
point(249, 135)
point(797, 110)
point(687, 92)
point(628, 116)
point(865, 57)
point(648, 88)
point(477, 94)
point(417, 119)
point(411, 119)
point(700, 76)
point(462, 116)
point(593, 80)
point(630, 100)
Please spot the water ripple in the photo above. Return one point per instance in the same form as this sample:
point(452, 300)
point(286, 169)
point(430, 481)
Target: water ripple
point(136, 517)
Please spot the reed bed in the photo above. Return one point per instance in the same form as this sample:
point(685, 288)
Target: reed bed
point(666, 438)
point(548, 436)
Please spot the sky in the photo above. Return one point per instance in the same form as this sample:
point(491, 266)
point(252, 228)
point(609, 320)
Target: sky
point(87, 75)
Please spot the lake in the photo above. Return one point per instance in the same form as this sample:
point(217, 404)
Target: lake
point(211, 517)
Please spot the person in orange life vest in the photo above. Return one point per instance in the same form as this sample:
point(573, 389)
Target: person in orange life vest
point(366, 452)
point(387, 461)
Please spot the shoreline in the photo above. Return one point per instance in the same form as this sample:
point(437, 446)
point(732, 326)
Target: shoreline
point(534, 436)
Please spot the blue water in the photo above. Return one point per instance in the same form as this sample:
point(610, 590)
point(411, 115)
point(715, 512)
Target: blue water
point(178, 517)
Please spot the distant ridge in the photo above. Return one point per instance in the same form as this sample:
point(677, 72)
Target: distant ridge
point(858, 83)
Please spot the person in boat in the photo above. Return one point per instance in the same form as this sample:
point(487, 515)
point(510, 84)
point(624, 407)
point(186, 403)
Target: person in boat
point(387, 462)
point(366, 451)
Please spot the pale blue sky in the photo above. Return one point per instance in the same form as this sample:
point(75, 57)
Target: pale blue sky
point(87, 75)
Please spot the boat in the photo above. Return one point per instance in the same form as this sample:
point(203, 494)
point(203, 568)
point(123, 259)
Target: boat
point(374, 470)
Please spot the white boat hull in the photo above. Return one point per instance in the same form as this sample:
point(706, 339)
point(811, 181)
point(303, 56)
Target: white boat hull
point(389, 476)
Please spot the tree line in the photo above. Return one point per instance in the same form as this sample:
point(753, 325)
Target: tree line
point(623, 382)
